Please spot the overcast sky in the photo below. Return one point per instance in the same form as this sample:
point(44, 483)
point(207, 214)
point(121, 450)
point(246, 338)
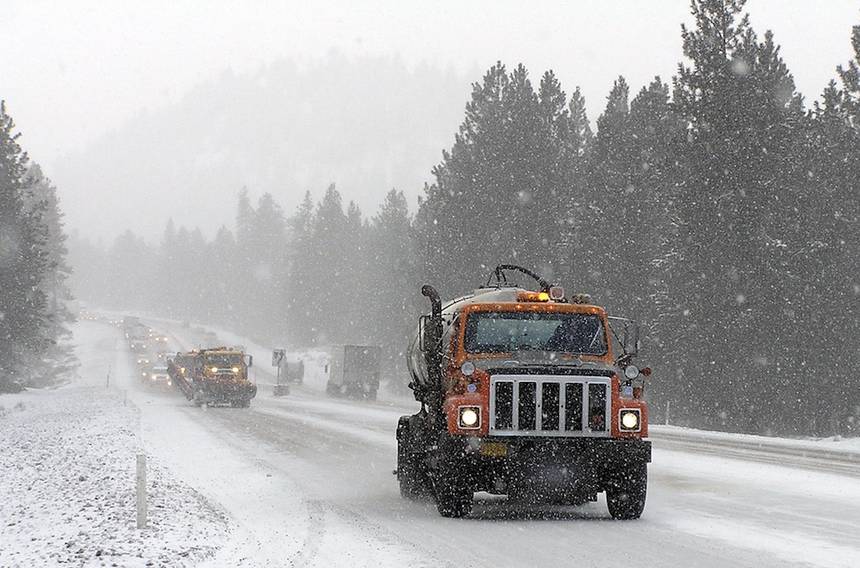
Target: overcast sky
point(73, 70)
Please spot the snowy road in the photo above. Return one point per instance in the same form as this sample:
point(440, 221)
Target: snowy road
point(308, 482)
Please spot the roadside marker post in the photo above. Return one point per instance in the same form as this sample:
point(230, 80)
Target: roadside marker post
point(141, 491)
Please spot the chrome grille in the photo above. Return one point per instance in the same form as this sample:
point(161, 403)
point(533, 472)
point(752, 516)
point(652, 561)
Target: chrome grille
point(550, 405)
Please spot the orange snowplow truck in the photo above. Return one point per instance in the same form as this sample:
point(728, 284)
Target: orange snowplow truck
point(528, 394)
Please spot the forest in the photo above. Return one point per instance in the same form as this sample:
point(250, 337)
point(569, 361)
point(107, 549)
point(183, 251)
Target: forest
point(717, 207)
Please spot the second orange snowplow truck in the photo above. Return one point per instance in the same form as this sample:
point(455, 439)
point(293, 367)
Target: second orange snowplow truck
point(524, 393)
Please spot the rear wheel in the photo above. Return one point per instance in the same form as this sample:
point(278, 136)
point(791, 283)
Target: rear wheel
point(626, 496)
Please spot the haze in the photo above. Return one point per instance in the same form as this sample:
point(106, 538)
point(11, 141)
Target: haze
point(104, 92)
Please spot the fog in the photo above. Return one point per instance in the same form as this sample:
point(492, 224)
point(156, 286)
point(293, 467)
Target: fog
point(114, 99)
point(542, 262)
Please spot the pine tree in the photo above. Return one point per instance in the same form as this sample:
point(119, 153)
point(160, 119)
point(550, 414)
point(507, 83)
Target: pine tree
point(23, 264)
point(326, 273)
point(574, 207)
point(499, 191)
point(850, 75)
point(58, 362)
point(393, 283)
point(299, 230)
point(739, 102)
point(604, 221)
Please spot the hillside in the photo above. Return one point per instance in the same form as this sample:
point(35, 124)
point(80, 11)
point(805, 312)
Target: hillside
point(365, 124)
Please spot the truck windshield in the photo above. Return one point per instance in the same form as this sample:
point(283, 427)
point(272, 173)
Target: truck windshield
point(506, 332)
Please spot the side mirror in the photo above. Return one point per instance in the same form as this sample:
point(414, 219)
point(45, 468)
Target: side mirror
point(250, 360)
point(422, 334)
point(625, 332)
point(631, 338)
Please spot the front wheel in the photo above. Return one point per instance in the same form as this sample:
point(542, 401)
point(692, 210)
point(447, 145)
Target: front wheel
point(626, 496)
point(452, 489)
point(453, 497)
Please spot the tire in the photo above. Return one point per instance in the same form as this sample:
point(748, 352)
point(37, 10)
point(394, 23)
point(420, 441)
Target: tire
point(451, 487)
point(453, 495)
point(626, 496)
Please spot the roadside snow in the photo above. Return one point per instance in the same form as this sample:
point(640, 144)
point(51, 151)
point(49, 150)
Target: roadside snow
point(834, 444)
point(67, 464)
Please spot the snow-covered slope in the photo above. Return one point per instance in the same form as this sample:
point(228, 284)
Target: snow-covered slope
point(67, 464)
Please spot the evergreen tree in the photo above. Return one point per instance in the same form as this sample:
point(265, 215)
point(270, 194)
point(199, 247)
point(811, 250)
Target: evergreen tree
point(739, 102)
point(326, 271)
point(498, 191)
point(850, 75)
point(222, 292)
point(24, 324)
point(391, 307)
point(604, 220)
point(300, 234)
point(265, 281)
point(58, 362)
point(575, 207)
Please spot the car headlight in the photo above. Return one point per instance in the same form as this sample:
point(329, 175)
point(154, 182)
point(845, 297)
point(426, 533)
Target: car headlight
point(631, 371)
point(235, 370)
point(469, 417)
point(630, 420)
point(467, 368)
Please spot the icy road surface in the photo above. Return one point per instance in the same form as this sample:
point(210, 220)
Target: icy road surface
point(308, 482)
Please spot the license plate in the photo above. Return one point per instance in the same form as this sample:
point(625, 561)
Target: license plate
point(494, 449)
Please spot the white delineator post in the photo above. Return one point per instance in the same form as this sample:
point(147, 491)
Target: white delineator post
point(141, 491)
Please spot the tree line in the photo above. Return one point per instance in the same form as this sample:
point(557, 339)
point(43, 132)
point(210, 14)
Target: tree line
point(716, 208)
point(34, 312)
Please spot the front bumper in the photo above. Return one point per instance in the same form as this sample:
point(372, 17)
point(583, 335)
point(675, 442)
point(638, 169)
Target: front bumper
point(579, 465)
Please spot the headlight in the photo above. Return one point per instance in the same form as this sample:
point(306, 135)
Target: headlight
point(235, 370)
point(470, 417)
point(467, 368)
point(631, 371)
point(214, 369)
point(630, 420)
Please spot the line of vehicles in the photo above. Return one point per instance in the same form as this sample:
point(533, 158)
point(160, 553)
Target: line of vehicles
point(210, 376)
point(524, 392)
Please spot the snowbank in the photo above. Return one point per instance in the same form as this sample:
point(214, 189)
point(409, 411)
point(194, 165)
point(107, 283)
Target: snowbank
point(849, 447)
point(68, 471)
point(67, 460)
